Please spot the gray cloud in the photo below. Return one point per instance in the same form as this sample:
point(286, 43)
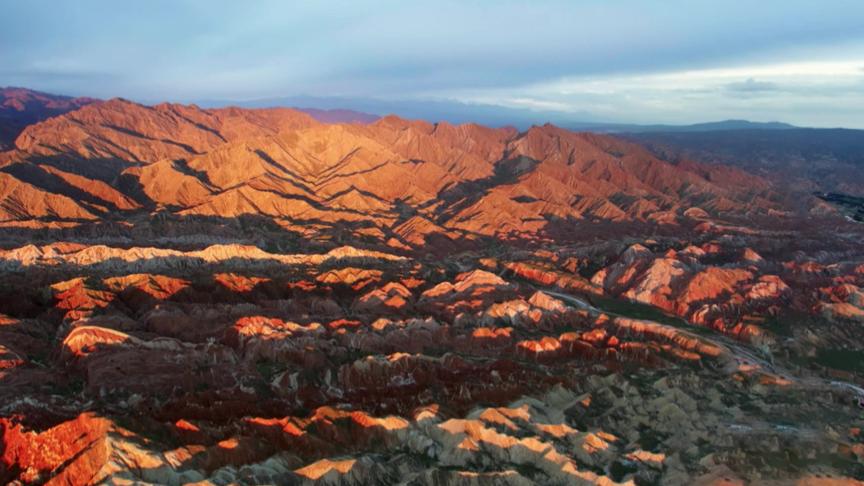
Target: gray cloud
point(199, 49)
point(751, 85)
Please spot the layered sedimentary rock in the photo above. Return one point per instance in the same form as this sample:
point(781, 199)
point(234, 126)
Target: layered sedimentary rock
point(235, 296)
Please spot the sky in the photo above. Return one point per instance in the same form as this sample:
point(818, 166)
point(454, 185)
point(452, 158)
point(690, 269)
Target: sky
point(627, 61)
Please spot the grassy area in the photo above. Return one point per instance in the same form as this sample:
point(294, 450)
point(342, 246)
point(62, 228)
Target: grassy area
point(636, 310)
point(852, 206)
point(841, 359)
point(780, 325)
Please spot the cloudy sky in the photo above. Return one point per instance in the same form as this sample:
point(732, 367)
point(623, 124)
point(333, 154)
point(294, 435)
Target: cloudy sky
point(664, 61)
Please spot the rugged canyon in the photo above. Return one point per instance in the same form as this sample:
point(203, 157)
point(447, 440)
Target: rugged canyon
point(266, 296)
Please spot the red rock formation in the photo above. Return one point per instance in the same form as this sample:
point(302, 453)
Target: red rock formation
point(178, 305)
point(392, 297)
point(410, 179)
point(69, 453)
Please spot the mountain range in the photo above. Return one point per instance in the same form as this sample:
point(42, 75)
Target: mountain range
point(493, 115)
point(232, 295)
point(395, 179)
point(799, 159)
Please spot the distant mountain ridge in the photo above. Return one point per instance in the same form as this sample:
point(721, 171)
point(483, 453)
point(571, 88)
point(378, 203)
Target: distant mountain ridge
point(486, 114)
point(696, 127)
point(803, 159)
point(337, 115)
point(20, 107)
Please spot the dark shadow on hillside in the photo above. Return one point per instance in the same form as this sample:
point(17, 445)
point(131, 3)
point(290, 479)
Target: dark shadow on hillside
point(106, 170)
point(38, 177)
point(182, 166)
point(187, 232)
point(464, 194)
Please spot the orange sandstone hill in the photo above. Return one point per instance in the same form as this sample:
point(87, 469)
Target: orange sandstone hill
point(399, 179)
